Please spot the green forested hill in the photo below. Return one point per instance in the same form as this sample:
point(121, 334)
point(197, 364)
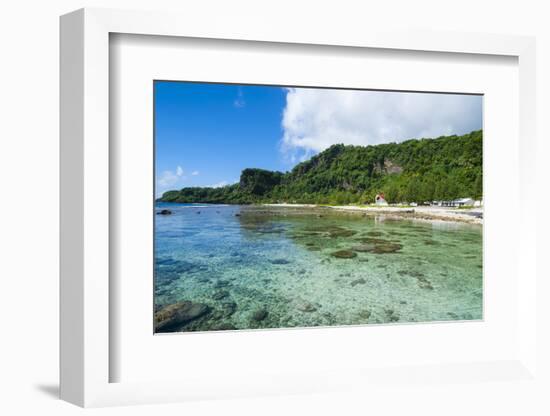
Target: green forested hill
point(412, 171)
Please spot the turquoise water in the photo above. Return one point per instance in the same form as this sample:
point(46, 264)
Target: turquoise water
point(249, 268)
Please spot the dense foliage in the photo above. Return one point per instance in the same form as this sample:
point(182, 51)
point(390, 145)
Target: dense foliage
point(412, 171)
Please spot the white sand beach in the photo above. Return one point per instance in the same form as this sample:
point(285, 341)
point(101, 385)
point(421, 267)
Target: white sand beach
point(421, 213)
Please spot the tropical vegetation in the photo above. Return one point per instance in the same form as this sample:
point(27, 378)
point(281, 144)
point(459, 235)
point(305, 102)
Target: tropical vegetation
point(444, 168)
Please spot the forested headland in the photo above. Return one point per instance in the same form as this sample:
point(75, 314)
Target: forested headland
point(444, 168)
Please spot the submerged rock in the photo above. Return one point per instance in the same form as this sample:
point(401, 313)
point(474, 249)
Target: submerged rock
point(305, 306)
point(259, 315)
point(343, 254)
point(391, 315)
point(365, 314)
point(220, 295)
point(332, 231)
point(178, 314)
point(424, 283)
point(373, 240)
point(363, 248)
point(223, 327)
point(412, 273)
point(342, 233)
point(164, 212)
point(279, 261)
point(313, 248)
point(229, 308)
point(358, 282)
point(387, 248)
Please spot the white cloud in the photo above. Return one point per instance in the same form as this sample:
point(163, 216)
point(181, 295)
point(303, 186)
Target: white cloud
point(195, 173)
point(219, 184)
point(314, 119)
point(239, 102)
point(170, 179)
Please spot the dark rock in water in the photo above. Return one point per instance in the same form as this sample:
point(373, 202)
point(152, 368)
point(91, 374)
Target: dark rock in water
point(365, 314)
point(259, 315)
point(306, 307)
point(331, 231)
point(358, 282)
point(373, 240)
point(392, 316)
point(168, 269)
point(363, 248)
point(344, 254)
point(198, 212)
point(387, 248)
point(342, 233)
point(229, 308)
point(165, 261)
point(279, 261)
point(412, 273)
point(164, 212)
point(424, 283)
point(237, 215)
point(313, 248)
point(222, 294)
point(223, 327)
point(178, 314)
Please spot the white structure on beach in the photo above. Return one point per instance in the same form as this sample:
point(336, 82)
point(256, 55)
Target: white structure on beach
point(457, 203)
point(380, 199)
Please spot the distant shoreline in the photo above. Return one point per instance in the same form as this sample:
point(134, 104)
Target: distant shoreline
point(421, 213)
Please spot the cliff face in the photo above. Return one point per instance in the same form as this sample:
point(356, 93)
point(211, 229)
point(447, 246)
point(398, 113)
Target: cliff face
point(259, 181)
point(387, 167)
point(414, 170)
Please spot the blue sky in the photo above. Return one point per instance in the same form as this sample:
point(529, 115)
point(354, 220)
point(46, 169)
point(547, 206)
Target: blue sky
point(205, 134)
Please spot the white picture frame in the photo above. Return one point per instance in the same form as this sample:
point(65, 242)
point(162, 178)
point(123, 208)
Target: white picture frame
point(85, 208)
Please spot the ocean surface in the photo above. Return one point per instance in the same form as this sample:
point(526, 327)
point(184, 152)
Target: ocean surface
point(250, 268)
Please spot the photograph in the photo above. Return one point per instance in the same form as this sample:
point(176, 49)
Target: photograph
point(279, 206)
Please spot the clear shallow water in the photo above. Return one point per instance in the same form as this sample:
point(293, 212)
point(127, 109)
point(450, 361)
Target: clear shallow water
point(256, 270)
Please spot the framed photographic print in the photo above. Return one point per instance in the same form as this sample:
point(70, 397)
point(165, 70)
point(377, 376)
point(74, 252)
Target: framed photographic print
point(340, 207)
point(287, 213)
